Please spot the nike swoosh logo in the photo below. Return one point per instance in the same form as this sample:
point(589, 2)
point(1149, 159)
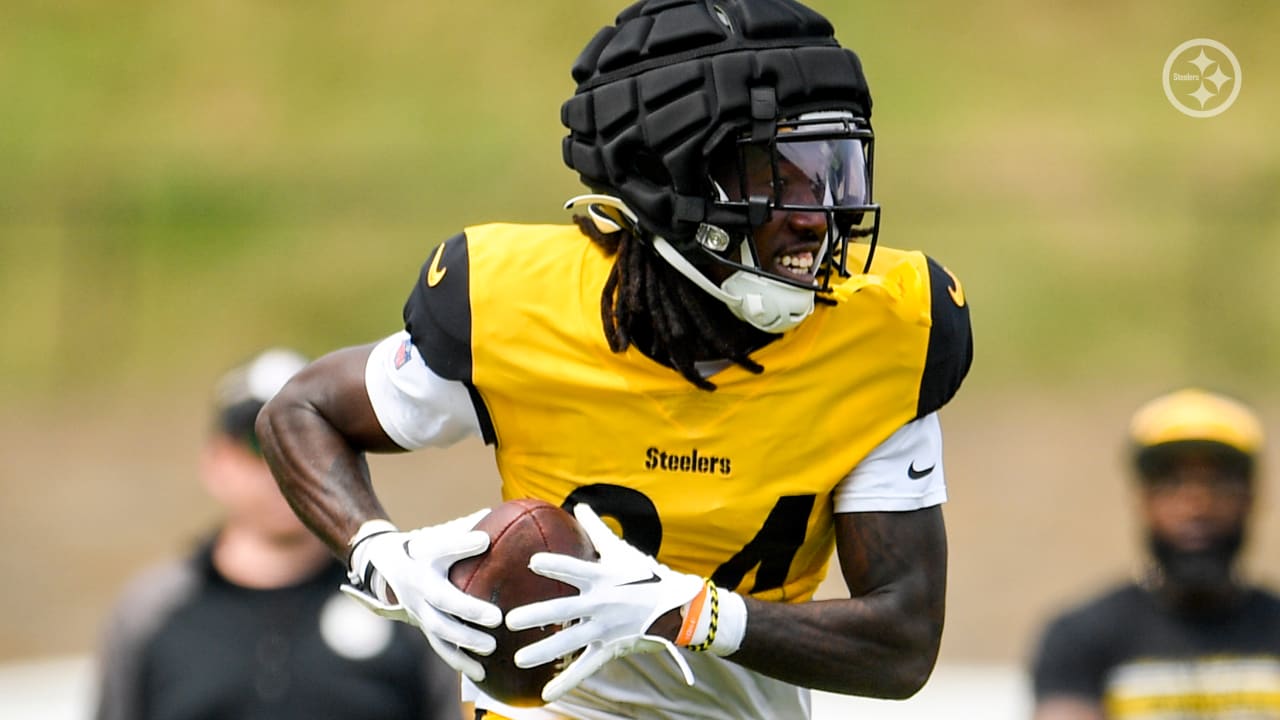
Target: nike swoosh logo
point(652, 579)
point(956, 292)
point(915, 474)
point(435, 273)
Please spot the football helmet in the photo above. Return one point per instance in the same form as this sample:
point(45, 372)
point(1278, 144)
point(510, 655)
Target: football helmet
point(1192, 419)
point(715, 121)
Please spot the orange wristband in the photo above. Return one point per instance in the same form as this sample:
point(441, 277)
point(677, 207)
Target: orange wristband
point(691, 618)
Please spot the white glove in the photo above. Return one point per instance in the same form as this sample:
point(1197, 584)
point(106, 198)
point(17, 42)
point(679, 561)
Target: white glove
point(415, 566)
point(620, 597)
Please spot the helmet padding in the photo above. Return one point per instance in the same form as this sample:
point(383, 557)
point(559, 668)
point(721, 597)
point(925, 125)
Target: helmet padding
point(673, 79)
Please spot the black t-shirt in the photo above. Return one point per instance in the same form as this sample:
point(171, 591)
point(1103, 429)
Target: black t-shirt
point(1139, 659)
point(186, 644)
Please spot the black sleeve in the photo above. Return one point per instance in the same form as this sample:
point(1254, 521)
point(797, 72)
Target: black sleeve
point(438, 311)
point(437, 316)
point(1068, 662)
point(950, 341)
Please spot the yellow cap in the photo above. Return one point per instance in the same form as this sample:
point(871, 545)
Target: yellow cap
point(1194, 415)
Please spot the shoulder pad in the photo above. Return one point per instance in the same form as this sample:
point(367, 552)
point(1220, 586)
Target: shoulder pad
point(950, 350)
point(438, 311)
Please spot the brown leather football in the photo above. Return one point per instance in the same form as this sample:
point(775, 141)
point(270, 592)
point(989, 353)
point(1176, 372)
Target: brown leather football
point(517, 529)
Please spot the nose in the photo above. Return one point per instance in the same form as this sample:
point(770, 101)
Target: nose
point(1195, 518)
point(807, 222)
point(1195, 498)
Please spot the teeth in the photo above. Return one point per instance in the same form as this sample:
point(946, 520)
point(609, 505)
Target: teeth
point(800, 262)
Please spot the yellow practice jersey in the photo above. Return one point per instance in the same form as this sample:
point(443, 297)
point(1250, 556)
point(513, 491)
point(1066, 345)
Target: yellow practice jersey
point(733, 484)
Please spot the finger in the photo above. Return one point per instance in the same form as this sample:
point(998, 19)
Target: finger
point(565, 568)
point(579, 670)
point(556, 611)
point(589, 574)
point(449, 629)
point(447, 598)
point(599, 533)
point(472, 519)
point(373, 604)
point(464, 523)
point(449, 549)
point(562, 643)
point(456, 659)
point(589, 520)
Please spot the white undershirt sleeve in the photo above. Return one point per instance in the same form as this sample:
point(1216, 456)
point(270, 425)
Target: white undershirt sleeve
point(416, 407)
point(902, 473)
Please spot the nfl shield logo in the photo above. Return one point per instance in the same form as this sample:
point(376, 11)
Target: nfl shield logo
point(404, 353)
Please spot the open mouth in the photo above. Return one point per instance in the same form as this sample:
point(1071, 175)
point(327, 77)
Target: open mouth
point(800, 263)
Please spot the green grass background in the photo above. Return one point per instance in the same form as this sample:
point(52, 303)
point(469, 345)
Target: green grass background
point(205, 177)
point(183, 183)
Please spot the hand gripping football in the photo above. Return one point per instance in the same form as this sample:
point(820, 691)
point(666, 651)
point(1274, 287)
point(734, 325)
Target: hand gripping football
point(517, 529)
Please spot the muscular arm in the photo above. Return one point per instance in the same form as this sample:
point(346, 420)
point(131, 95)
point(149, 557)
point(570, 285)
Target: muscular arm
point(882, 641)
point(314, 434)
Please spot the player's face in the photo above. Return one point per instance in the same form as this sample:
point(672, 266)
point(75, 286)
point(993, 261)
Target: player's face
point(1196, 506)
point(802, 181)
point(790, 244)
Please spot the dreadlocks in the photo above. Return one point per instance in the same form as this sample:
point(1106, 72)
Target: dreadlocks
point(646, 303)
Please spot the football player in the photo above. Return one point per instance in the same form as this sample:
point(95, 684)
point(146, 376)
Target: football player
point(715, 358)
point(1193, 636)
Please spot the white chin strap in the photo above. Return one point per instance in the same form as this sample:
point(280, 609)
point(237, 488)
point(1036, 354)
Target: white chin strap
point(769, 305)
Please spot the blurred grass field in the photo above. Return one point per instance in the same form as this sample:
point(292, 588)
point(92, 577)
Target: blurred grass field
point(184, 183)
point(175, 172)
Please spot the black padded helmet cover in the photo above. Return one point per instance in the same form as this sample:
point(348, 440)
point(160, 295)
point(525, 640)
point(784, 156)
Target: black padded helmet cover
point(662, 88)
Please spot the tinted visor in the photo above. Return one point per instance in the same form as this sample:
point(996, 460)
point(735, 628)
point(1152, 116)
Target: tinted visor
point(821, 173)
point(830, 173)
point(818, 167)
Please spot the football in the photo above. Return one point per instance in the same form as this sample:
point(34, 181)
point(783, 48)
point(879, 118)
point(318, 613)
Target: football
point(517, 529)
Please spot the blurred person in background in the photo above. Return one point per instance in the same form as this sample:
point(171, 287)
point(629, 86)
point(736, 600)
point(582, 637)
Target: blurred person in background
point(1192, 638)
point(250, 625)
point(705, 357)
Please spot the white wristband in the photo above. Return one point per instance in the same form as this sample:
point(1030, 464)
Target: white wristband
point(356, 562)
point(732, 624)
point(371, 527)
point(714, 621)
